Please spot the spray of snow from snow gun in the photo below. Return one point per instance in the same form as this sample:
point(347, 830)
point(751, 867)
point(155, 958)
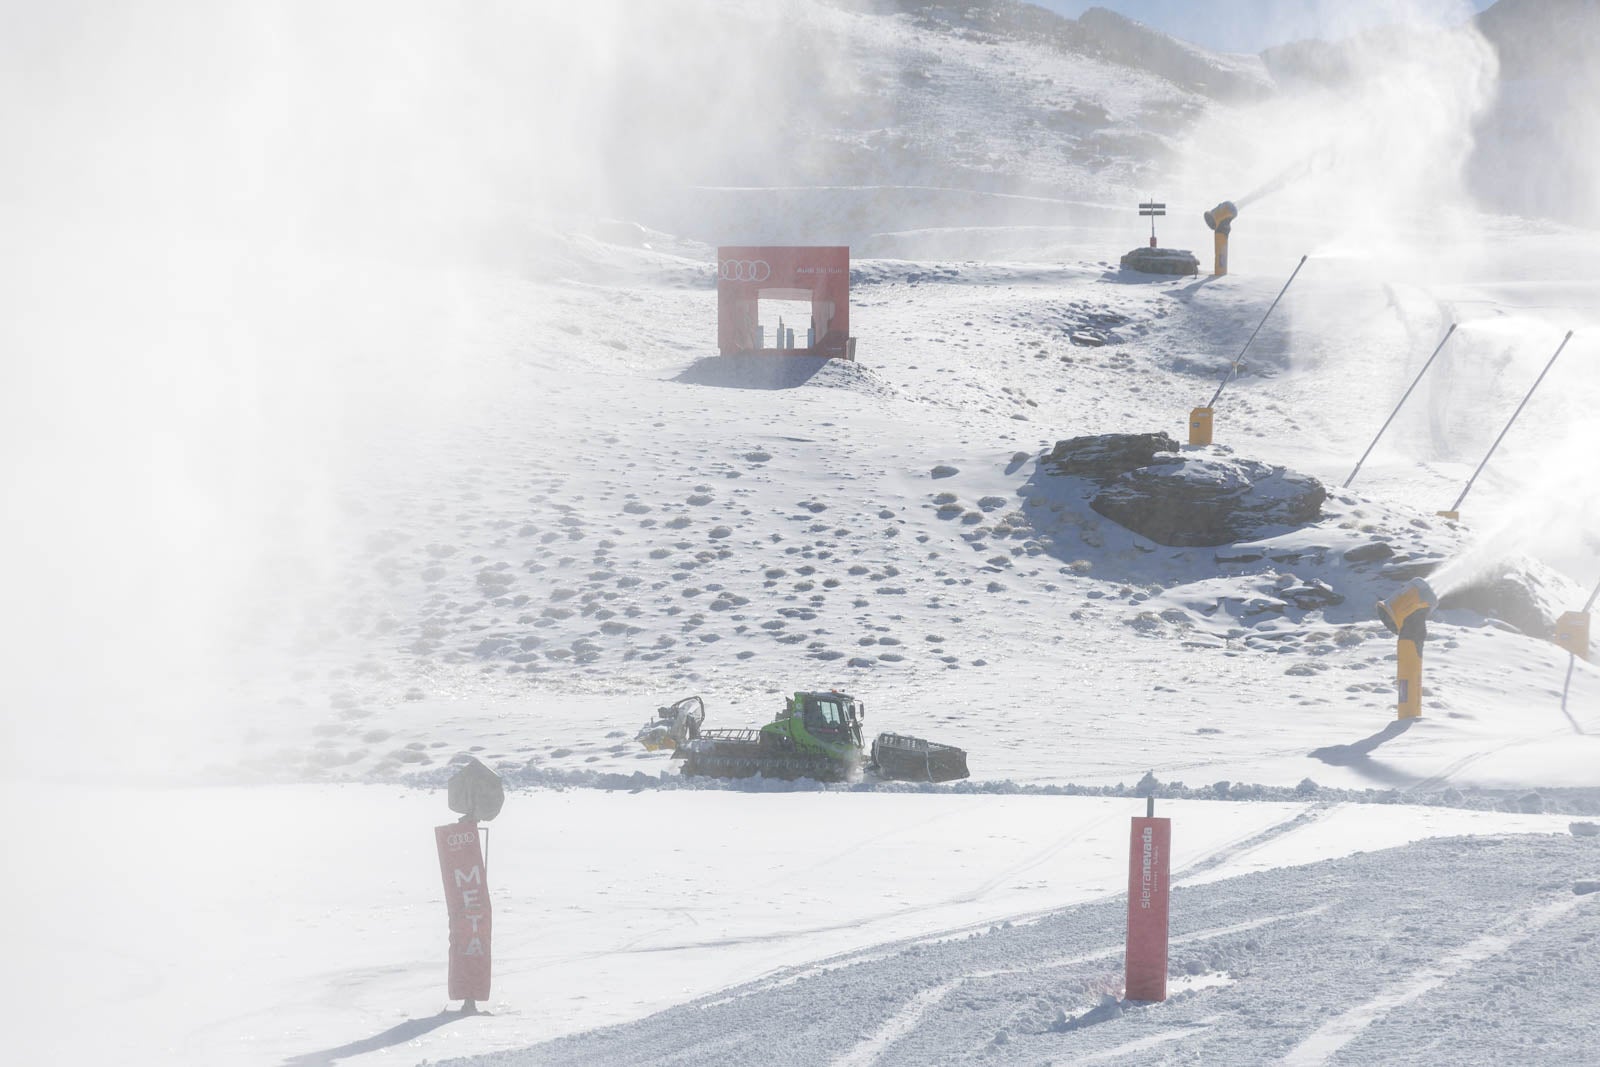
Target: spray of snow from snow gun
point(1304, 168)
point(1200, 418)
point(1455, 509)
point(1397, 407)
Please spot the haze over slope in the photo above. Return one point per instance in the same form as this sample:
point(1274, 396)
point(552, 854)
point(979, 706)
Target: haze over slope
point(363, 411)
point(365, 309)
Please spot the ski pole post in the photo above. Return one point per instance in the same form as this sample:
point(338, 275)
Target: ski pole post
point(1145, 955)
point(1234, 366)
point(1152, 208)
point(1403, 397)
point(1455, 509)
point(476, 794)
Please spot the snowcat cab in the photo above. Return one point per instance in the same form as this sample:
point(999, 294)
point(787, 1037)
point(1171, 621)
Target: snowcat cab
point(827, 718)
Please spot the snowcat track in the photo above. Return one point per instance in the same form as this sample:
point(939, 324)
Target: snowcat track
point(721, 762)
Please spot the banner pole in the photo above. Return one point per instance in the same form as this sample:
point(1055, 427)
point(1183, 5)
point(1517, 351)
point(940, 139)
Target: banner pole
point(1397, 407)
point(1234, 366)
point(1457, 505)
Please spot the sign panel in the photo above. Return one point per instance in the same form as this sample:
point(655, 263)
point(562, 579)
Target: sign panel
point(466, 895)
point(748, 274)
point(1149, 858)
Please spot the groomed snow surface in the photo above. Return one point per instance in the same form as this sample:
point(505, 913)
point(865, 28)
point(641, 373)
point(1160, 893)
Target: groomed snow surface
point(304, 925)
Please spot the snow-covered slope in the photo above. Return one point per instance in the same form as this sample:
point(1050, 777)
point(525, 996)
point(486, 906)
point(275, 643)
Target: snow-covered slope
point(328, 475)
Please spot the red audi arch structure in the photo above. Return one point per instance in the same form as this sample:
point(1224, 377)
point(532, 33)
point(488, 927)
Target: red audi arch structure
point(746, 275)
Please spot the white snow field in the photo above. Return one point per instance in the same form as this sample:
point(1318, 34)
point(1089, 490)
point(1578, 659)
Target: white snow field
point(364, 412)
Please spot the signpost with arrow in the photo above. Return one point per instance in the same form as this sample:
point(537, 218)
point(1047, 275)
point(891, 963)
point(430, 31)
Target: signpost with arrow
point(1152, 209)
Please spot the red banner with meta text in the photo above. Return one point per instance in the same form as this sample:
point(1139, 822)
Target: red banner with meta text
point(466, 895)
point(1149, 853)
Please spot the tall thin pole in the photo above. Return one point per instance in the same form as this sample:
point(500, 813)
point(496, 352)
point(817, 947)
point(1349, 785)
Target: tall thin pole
point(1468, 488)
point(1398, 406)
point(1572, 661)
point(1234, 366)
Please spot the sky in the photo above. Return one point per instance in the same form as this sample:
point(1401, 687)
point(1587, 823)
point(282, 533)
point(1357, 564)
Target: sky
point(1251, 25)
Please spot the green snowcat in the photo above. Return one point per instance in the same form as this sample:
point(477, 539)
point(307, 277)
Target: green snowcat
point(818, 735)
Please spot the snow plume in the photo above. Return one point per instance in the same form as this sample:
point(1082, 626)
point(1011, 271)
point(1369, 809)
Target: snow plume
point(245, 242)
point(1554, 515)
point(1362, 148)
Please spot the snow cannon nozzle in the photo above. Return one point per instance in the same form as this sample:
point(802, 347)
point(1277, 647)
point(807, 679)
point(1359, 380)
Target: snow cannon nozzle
point(1220, 218)
point(1408, 608)
point(1406, 616)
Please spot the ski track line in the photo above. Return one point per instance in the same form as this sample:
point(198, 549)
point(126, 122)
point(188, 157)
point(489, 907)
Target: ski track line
point(899, 1025)
point(1338, 1032)
point(1114, 1054)
point(1222, 854)
point(877, 952)
point(966, 897)
point(874, 839)
point(868, 1051)
point(1025, 865)
point(1243, 846)
point(1444, 776)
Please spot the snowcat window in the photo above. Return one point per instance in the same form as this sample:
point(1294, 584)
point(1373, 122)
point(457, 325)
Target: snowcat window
point(830, 713)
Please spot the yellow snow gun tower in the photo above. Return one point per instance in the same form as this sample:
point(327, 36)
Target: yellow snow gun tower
point(1406, 616)
point(1220, 219)
point(1572, 633)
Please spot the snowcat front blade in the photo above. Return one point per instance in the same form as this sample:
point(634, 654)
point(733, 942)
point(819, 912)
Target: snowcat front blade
point(912, 759)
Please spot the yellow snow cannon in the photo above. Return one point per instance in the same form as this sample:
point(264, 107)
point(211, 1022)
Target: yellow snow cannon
point(1220, 220)
point(1572, 633)
point(1406, 616)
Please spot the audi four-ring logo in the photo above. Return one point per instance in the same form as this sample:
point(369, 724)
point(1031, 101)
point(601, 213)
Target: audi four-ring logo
point(744, 270)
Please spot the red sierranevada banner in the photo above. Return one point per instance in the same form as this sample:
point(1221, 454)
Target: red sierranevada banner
point(1149, 856)
point(466, 894)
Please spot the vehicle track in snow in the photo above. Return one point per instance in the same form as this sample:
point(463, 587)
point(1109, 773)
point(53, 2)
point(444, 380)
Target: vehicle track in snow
point(1326, 1041)
point(905, 1021)
point(1247, 843)
point(1446, 775)
point(789, 975)
point(1303, 961)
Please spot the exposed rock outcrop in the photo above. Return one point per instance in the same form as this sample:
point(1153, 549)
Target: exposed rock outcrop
point(1102, 457)
point(1161, 261)
point(1190, 501)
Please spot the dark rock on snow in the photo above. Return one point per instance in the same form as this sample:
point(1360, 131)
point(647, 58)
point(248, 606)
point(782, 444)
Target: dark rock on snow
point(1311, 595)
point(1369, 553)
point(1190, 501)
point(1408, 569)
point(1102, 457)
point(1161, 261)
